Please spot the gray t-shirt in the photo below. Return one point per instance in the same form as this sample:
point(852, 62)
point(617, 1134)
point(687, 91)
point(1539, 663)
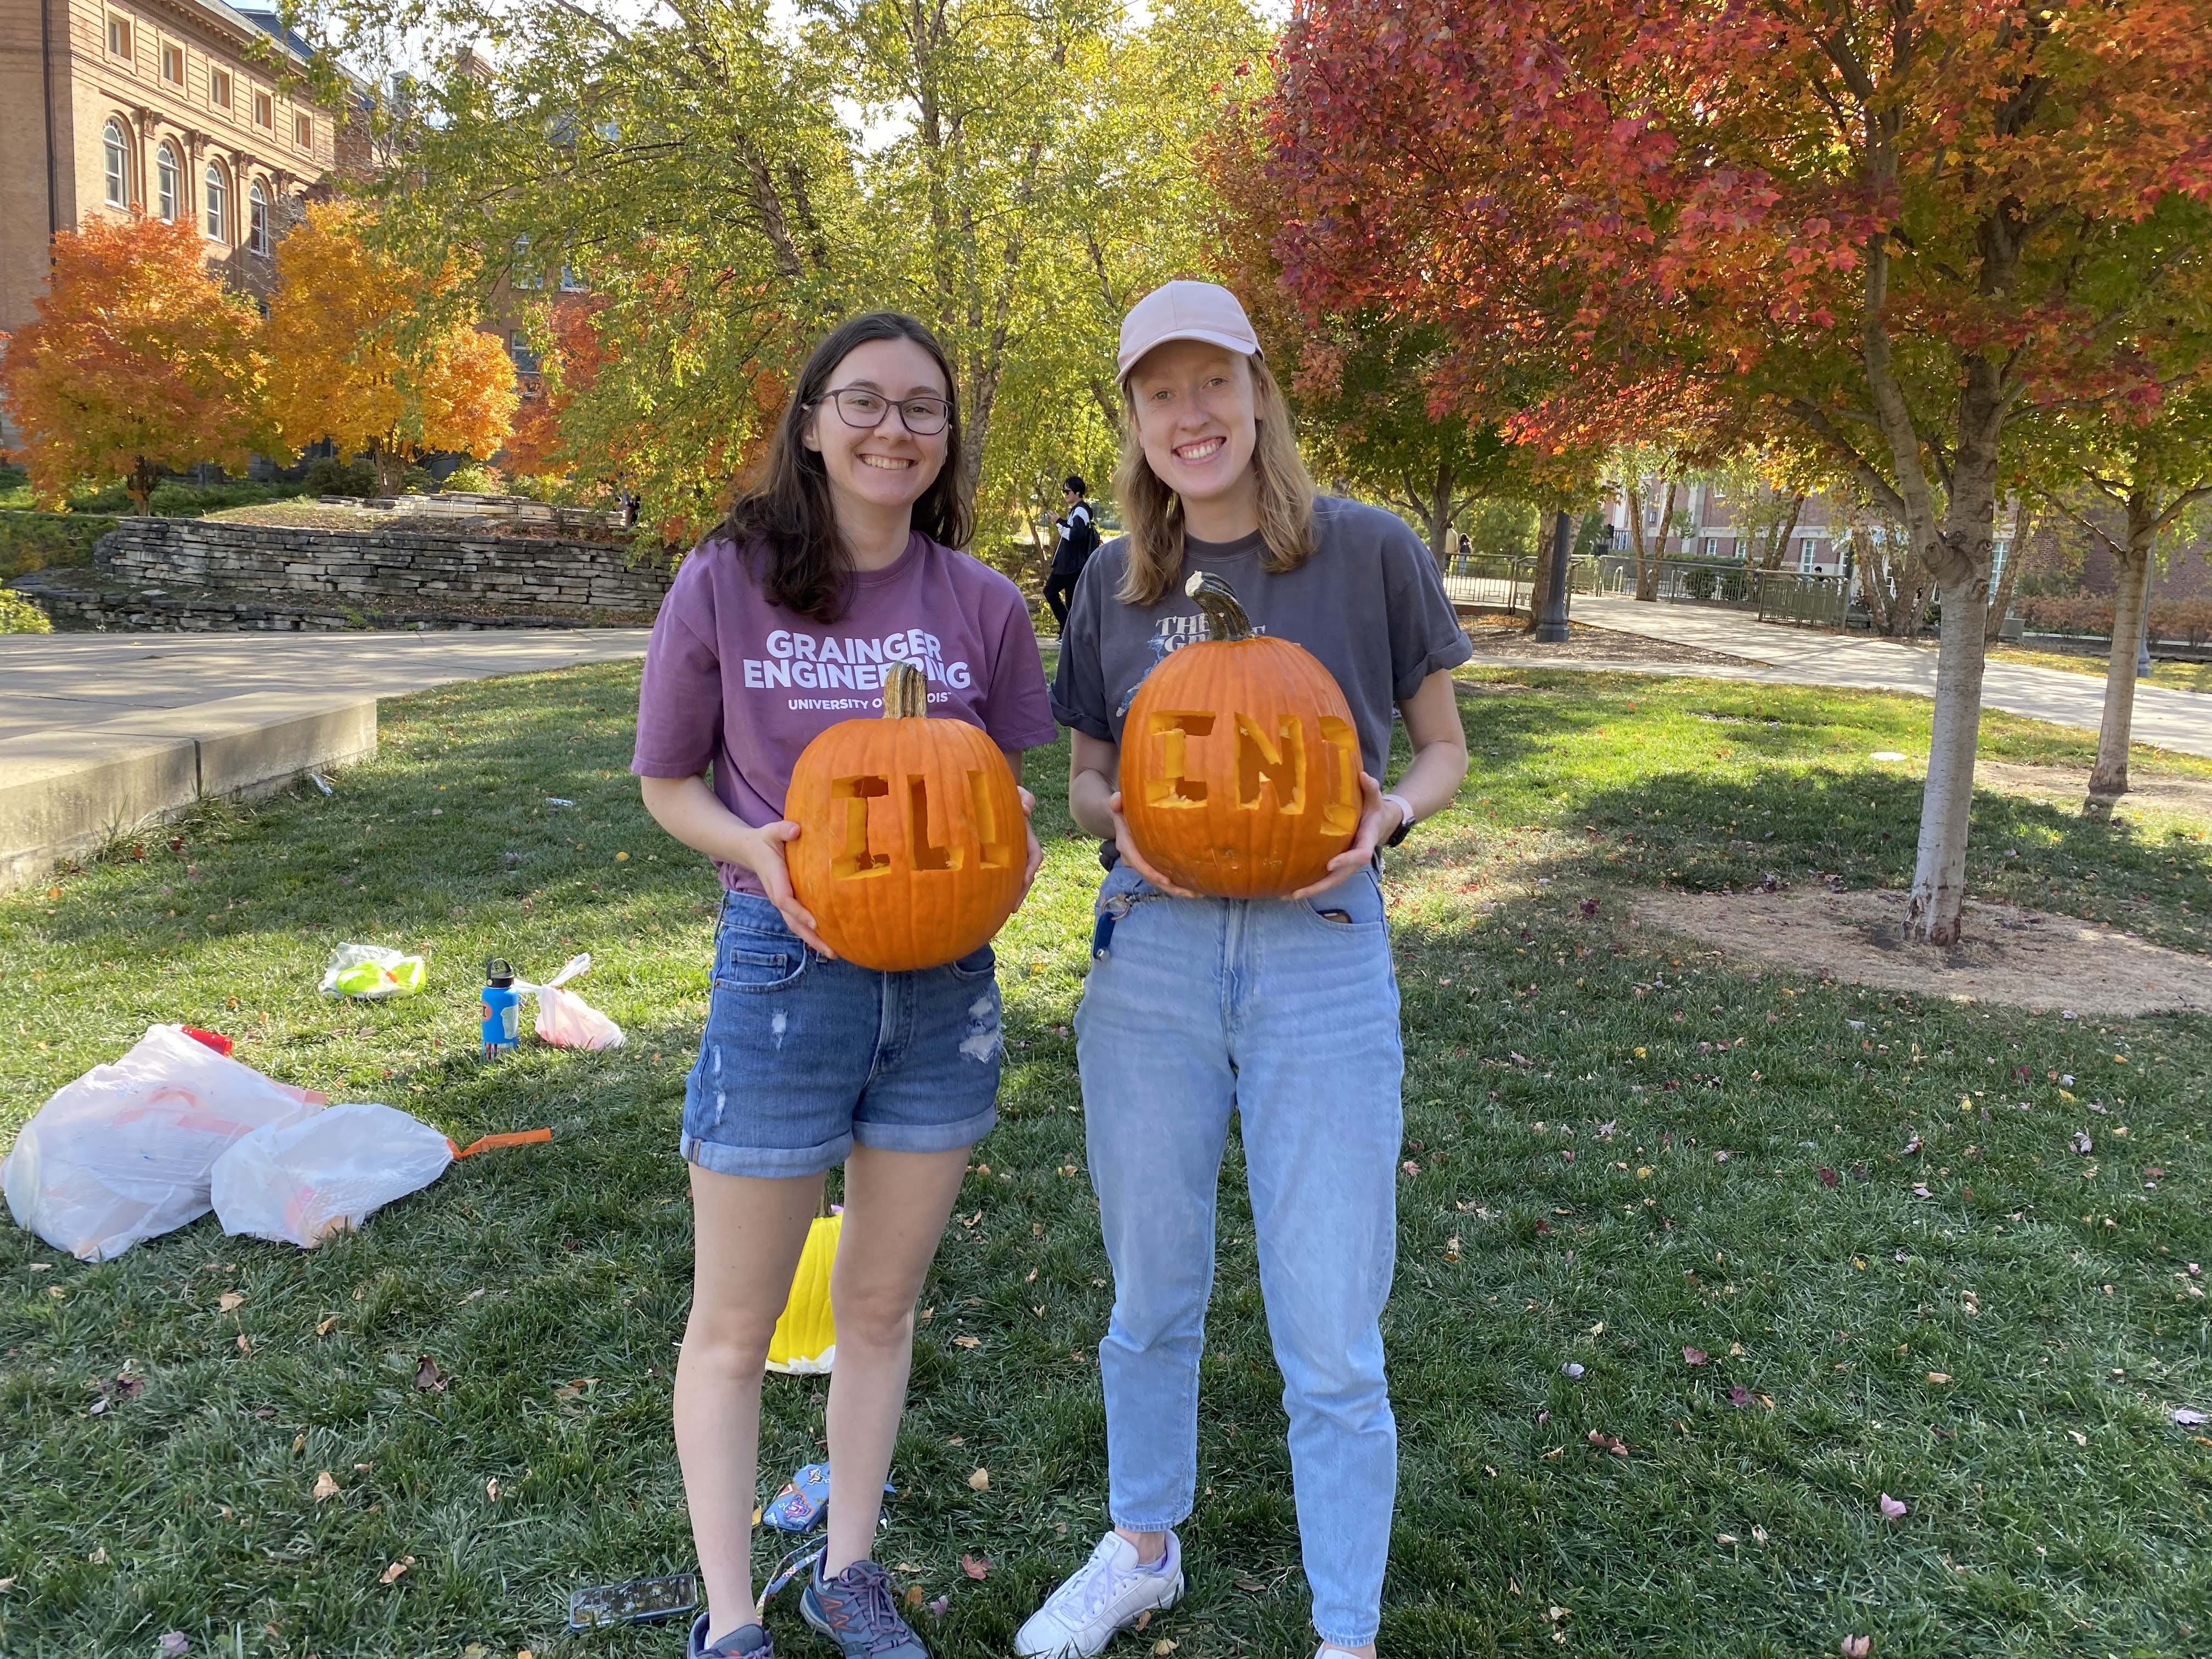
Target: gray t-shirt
point(1368, 604)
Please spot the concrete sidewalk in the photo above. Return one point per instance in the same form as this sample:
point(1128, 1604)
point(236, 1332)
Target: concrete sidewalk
point(2164, 718)
point(52, 679)
point(100, 734)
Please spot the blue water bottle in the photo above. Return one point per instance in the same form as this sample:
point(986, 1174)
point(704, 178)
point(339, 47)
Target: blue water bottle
point(502, 1009)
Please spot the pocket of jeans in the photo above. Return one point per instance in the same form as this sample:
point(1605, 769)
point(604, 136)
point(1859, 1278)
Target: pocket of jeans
point(1354, 905)
point(760, 965)
point(979, 964)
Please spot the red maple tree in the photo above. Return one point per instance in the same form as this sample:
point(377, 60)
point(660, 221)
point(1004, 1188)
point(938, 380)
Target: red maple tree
point(139, 362)
point(1891, 226)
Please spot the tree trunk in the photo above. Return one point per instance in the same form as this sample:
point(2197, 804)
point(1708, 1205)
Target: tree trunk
point(390, 464)
point(1783, 533)
point(1632, 495)
point(2108, 779)
point(1438, 511)
point(2001, 602)
point(1647, 578)
point(139, 486)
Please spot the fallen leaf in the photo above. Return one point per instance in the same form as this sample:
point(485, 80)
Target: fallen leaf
point(427, 1377)
point(491, 1489)
point(980, 1481)
point(300, 1442)
point(2188, 1418)
point(1738, 1395)
point(1694, 1356)
point(1939, 1376)
point(326, 1486)
point(1249, 1586)
point(229, 1302)
point(392, 1573)
point(913, 1598)
point(1856, 1647)
point(98, 1408)
point(1728, 1538)
point(1571, 1370)
point(1163, 1647)
point(127, 1387)
point(2079, 1438)
point(1828, 1177)
point(475, 1651)
point(2082, 1144)
point(1143, 1619)
point(966, 1341)
point(1891, 1509)
point(99, 1556)
point(173, 1643)
point(905, 1567)
point(1759, 1534)
point(327, 1326)
point(975, 1568)
point(6, 1585)
point(244, 1343)
point(940, 1607)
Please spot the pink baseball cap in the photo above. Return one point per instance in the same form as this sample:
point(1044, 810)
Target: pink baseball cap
point(1185, 311)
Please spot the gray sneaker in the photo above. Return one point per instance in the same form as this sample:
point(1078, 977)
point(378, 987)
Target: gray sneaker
point(746, 1642)
point(858, 1611)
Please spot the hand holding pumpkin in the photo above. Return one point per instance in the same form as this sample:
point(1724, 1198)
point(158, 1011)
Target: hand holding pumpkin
point(1035, 861)
point(1375, 828)
point(1126, 844)
point(761, 851)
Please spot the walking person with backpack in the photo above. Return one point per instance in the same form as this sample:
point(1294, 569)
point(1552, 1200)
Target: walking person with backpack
point(1078, 524)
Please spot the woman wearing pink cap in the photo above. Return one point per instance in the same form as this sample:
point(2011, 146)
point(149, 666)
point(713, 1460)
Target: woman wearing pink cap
point(1282, 1011)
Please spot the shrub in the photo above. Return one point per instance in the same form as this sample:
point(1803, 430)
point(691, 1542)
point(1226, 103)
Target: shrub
point(417, 481)
point(40, 541)
point(333, 475)
point(19, 616)
point(1700, 581)
point(476, 478)
point(2187, 620)
point(2066, 613)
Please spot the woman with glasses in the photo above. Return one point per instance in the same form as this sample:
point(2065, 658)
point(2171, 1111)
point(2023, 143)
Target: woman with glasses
point(838, 560)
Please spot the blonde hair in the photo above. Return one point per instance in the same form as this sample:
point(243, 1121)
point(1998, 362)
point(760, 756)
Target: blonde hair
point(1152, 514)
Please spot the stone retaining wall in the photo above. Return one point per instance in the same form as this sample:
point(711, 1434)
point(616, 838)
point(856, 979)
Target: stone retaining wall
point(385, 570)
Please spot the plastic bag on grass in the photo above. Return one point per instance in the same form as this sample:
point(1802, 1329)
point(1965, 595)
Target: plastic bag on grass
point(565, 1019)
point(371, 972)
point(127, 1151)
point(297, 1183)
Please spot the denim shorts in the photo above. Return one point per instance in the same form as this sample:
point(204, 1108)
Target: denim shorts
point(803, 1055)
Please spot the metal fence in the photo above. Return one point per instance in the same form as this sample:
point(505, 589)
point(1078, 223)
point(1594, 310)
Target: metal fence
point(1498, 582)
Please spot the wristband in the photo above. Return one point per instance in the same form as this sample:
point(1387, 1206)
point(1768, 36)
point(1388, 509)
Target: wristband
point(1406, 819)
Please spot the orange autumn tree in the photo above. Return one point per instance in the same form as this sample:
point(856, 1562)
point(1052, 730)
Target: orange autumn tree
point(1891, 229)
point(568, 367)
point(137, 363)
point(377, 355)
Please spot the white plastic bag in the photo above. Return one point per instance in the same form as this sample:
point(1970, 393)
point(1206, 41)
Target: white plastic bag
point(297, 1183)
point(565, 1019)
point(126, 1150)
point(371, 972)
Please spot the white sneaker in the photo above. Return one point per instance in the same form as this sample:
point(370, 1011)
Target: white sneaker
point(1100, 1598)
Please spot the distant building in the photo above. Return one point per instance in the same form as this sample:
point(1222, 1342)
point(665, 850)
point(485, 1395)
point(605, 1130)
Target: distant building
point(1715, 528)
point(181, 109)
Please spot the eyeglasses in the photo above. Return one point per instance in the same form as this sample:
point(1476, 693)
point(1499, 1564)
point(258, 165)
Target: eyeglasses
point(857, 406)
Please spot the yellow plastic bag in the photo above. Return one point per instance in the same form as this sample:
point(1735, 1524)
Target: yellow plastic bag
point(805, 1340)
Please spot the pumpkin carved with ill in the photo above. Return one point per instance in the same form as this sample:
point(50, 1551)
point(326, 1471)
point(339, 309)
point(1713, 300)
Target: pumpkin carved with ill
point(1240, 764)
point(912, 843)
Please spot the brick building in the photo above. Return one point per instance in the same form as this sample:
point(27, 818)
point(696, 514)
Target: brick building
point(181, 109)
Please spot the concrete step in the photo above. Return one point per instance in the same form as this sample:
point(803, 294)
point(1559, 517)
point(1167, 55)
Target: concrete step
point(66, 793)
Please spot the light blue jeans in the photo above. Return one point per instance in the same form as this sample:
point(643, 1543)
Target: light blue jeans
point(1271, 1009)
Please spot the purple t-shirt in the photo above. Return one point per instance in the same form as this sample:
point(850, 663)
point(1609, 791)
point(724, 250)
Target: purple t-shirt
point(738, 684)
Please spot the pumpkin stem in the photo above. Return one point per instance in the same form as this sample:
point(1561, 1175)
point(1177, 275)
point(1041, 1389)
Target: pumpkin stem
point(906, 692)
point(1224, 617)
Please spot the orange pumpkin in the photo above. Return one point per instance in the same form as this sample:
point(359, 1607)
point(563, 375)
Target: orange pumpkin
point(912, 843)
point(1240, 764)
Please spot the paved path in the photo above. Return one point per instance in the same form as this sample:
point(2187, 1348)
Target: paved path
point(71, 679)
point(2164, 718)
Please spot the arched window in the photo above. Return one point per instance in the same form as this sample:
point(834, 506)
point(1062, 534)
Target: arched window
point(168, 181)
point(257, 219)
point(117, 153)
point(218, 204)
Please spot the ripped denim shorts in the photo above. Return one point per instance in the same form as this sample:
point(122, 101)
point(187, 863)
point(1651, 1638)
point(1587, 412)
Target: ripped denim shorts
point(803, 1055)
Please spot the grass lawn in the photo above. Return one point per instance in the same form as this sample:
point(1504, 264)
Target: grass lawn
point(2174, 676)
point(1617, 1149)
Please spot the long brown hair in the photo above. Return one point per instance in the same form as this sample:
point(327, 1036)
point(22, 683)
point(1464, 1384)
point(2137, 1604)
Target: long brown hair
point(784, 508)
point(1152, 513)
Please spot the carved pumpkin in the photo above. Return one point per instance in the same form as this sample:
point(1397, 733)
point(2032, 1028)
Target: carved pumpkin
point(1240, 764)
point(911, 841)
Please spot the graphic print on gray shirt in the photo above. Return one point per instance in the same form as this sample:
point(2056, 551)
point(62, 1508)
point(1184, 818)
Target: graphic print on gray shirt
point(1368, 604)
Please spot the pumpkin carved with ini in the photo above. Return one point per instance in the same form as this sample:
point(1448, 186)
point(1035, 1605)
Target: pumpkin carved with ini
point(912, 841)
point(1240, 764)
